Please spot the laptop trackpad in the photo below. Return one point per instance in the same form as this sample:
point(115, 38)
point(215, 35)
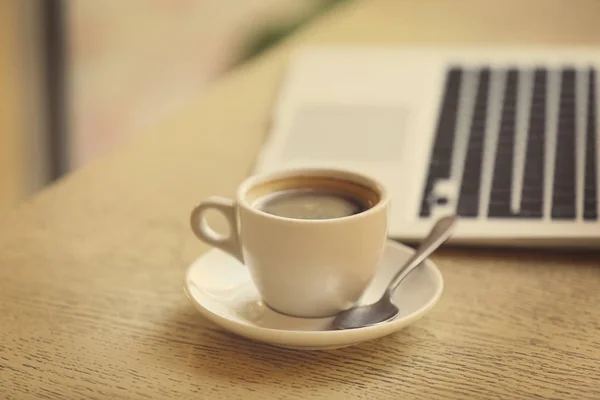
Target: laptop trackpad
point(347, 133)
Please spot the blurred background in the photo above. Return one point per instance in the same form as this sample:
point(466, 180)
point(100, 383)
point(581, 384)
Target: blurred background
point(79, 77)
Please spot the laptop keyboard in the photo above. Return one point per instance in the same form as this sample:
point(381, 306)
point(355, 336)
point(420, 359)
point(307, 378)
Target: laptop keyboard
point(516, 143)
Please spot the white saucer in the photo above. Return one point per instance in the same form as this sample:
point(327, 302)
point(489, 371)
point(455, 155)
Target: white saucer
point(220, 288)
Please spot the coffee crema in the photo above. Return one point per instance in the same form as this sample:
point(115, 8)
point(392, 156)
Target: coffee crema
point(312, 198)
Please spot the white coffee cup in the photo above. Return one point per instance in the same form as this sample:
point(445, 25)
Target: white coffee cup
point(302, 267)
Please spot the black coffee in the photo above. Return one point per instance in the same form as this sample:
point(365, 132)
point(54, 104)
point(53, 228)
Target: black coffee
point(310, 204)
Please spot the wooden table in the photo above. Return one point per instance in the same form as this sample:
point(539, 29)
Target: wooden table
point(91, 270)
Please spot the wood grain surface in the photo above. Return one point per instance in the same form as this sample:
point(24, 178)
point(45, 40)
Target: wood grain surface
point(91, 270)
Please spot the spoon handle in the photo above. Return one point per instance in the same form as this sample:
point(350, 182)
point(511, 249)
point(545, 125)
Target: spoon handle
point(441, 231)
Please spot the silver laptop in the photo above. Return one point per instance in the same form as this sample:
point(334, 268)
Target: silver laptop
point(505, 138)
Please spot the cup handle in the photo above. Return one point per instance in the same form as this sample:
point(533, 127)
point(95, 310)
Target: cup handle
point(201, 228)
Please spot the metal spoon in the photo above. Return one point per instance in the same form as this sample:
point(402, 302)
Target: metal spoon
point(384, 310)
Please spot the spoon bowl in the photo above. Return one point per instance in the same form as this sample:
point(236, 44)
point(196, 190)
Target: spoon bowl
point(371, 314)
point(384, 309)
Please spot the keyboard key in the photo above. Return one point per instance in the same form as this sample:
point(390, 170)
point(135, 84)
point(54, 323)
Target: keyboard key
point(441, 155)
point(563, 196)
point(503, 167)
point(468, 202)
point(533, 179)
point(590, 204)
